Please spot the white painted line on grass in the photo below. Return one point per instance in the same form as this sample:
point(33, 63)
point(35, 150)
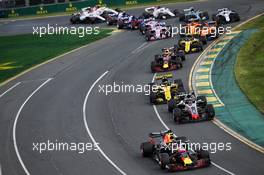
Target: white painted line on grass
point(9, 90)
point(88, 130)
point(15, 124)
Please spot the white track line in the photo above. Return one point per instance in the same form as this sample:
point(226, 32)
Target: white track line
point(1, 170)
point(88, 130)
point(140, 48)
point(223, 169)
point(15, 124)
point(164, 124)
point(9, 90)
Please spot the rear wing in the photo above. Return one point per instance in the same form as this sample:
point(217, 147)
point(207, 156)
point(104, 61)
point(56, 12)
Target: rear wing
point(159, 77)
point(158, 134)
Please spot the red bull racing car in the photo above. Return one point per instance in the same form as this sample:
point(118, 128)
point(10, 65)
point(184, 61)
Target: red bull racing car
point(172, 153)
point(170, 59)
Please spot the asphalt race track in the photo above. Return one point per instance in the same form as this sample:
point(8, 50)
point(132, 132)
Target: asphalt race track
point(59, 109)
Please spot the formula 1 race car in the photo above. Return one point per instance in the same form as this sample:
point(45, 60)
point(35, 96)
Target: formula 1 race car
point(190, 15)
point(92, 15)
point(167, 150)
point(190, 44)
point(202, 30)
point(186, 107)
point(158, 12)
point(166, 62)
point(148, 24)
point(225, 15)
point(159, 31)
point(126, 21)
point(162, 92)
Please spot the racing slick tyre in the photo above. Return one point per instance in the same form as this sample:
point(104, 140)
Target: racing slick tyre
point(181, 17)
point(178, 61)
point(202, 154)
point(177, 115)
point(200, 47)
point(152, 98)
point(203, 39)
point(171, 105)
point(109, 22)
point(214, 18)
point(220, 20)
point(164, 160)
point(210, 112)
point(75, 19)
point(180, 85)
point(148, 37)
point(146, 149)
point(118, 10)
point(176, 12)
point(203, 99)
point(234, 17)
point(119, 26)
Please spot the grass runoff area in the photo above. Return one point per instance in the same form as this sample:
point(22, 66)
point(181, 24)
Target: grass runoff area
point(249, 68)
point(122, 7)
point(20, 52)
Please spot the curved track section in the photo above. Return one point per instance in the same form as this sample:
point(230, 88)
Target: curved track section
point(118, 122)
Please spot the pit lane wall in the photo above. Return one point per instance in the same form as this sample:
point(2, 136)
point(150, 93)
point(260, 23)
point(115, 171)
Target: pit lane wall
point(214, 77)
point(66, 7)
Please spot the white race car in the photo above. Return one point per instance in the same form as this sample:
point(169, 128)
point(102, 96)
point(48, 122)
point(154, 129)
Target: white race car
point(159, 12)
point(225, 15)
point(92, 15)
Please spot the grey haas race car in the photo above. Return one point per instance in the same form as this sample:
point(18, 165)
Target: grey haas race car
point(225, 15)
point(92, 15)
point(187, 107)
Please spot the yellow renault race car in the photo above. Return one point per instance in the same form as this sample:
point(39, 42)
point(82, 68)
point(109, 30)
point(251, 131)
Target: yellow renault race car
point(162, 92)
point(190, 44)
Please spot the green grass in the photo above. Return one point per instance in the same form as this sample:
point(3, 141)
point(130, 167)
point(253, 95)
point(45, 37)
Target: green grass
point(124, 7)
point(249, 68)
point(20, 52)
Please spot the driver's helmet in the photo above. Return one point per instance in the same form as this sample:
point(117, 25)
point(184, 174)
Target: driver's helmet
point(169, 138)
point(97, 6)
point(166, 52)
point(157, 7)
point(165, 81)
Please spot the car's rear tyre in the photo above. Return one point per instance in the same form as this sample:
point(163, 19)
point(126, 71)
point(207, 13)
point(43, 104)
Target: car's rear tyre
point(177, 115)
point(176, 12)
point(164, 160)
point(152, 98)
point(210, 111)
point(171, 105)
point(180, 85)
point(146, 149)
point(181, 17)
point(203, 99)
